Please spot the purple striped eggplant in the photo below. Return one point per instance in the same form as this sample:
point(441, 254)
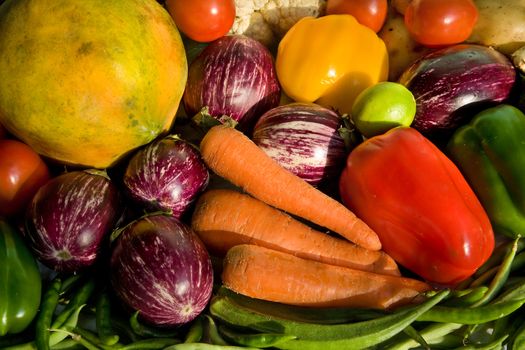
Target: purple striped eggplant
point(450, 80)
point(233, 76)
point(160, 268)
point(69, 217)
point(166, 175)
point(304, 138)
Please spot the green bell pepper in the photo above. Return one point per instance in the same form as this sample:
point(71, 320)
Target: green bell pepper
point(20, 282)
point(490, 152)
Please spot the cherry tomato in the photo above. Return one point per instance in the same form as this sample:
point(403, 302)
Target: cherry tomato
point(371, 13)
point(202, 20)
point(22, 172)
point(440, 22)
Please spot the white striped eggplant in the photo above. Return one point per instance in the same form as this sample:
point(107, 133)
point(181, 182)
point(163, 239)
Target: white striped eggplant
point(450, 80)
point(69, 218)
point(160, 268)
point(166, 175)
point(304, 138)
point(233, 76)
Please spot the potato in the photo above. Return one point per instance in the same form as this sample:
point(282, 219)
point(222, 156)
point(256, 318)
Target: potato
point(402, 49)
point(501, 24)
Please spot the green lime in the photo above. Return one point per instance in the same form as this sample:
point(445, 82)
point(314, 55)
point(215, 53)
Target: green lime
point(382, 107)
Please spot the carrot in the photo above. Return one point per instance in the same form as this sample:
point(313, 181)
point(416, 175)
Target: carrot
point(271, 275)
point(232, 155)
point(224, 218)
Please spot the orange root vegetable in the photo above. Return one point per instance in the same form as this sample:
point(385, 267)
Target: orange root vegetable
point(267, 274)
point(225, 218)
point(232, 155)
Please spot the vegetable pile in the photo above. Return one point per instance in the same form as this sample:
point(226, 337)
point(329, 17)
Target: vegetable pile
point(239, 175)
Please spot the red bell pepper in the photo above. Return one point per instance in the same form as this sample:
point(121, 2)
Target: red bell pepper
point(424, 211)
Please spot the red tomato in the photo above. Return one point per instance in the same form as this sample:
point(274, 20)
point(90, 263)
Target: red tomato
point(202, 20)
point(371, 13)
point(22, 172)
point(440, 22)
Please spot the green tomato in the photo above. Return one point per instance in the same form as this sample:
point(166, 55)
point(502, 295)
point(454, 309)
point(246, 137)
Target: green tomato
point(382, 107)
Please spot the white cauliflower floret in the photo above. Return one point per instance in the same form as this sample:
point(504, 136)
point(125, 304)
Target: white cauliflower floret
point(268, 20)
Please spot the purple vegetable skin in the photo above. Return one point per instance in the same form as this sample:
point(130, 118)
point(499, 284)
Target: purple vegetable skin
point(166, 175)
point(303, 138)
point(160, 267)
point(458, 76)
point(69, 217)
point(234, 76)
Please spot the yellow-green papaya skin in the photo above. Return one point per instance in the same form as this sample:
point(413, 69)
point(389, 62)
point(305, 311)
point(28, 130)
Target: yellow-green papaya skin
point(85, 82)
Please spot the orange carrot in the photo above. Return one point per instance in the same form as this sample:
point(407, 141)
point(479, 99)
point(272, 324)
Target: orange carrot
point(224, 218)
point(232, 155)
point(268, 274)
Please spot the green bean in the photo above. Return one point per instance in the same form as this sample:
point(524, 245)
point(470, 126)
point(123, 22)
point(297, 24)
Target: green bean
point(45, 315)
point(500, 277)
point(496, 344)
point(466, 297)
point(68, 344)
point(196, 331)
point(148, 331)
point(515, 293)
point(80, 297)
point(519, 261)
point(475, 315)
point(212, 333)
point(432, 333)
point(86, 337)
point(69, 283)
point(103, 320)
point(414, 334)
point(314, 336)
point(518, 339)
point(57, 335)
point(151, 344)
point(205, 346)
point(256, 340)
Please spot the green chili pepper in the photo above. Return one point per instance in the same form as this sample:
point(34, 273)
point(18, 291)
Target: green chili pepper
point(20, 282)
point(103, 320)
point(45, 316)
point(490, 152)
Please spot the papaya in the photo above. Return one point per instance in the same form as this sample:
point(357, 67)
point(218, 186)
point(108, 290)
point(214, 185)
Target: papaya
point(86, 82)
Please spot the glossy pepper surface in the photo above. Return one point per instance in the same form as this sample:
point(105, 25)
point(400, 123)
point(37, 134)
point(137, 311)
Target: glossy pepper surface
point(20, 282)
point(490, 151)
point(330, 60)
point(425, 213)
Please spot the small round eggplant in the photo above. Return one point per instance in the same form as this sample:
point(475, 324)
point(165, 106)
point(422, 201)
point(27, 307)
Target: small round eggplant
point(166, 175)
point(233, 76)
point(448, 81)
point(160, 268)
point(304, 138)
point(69, 217)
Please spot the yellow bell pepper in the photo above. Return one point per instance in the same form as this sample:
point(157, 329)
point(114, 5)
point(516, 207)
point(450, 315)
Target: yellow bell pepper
point(330, 60)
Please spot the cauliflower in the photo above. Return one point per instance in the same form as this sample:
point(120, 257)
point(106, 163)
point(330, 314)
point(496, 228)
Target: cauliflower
point(268, 20)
